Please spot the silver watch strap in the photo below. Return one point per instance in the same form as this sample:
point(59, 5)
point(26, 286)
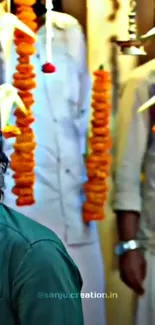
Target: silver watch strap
point(124, 247)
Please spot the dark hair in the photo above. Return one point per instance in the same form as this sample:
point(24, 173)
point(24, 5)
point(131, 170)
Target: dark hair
point(39, 8)
point(3, 158)
point(58, 5)
point(4, 161)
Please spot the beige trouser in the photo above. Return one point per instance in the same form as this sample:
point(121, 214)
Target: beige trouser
point(146, 304)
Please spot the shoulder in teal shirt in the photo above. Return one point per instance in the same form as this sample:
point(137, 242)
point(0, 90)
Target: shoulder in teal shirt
point(39, 282)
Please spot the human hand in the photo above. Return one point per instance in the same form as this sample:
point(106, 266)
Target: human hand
point(133, 269)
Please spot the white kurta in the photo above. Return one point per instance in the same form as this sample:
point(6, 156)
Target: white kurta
point(61, 112)
point(139, 156)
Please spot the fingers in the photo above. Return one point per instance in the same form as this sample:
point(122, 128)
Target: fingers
point(133, 281)
point(137, 283)
point(133, 274)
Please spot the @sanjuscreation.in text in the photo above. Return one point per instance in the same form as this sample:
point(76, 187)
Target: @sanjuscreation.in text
point(86, 295)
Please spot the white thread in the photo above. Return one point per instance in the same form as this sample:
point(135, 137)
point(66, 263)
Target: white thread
point(49, 33)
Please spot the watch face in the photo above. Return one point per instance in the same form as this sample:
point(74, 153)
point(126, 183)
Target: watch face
point(123, 248)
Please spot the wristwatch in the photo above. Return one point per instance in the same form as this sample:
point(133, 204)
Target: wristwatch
point(127, 246)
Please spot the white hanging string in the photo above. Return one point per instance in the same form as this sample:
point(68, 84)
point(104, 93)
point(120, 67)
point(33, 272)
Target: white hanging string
point(8, 62)
point(49, 31)
point(8, 5)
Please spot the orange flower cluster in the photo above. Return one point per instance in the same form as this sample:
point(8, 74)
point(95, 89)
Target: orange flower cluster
point(153, 129)
point(10, 131)
point(22, 159)
point(98, 162)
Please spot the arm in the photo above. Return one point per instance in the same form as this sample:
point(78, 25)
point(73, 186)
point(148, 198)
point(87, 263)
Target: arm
point(46, 289)
point(127, 198)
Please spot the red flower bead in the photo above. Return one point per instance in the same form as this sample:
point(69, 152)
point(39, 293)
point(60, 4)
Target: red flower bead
point(48, 68)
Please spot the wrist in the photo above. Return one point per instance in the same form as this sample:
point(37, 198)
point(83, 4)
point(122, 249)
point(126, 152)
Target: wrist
point(126, 246)
point(127, 225)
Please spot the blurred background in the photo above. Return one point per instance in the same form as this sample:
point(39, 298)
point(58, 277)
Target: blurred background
point(92, 14)
point(93, 17)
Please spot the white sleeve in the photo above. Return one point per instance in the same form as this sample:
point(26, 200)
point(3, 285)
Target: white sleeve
point(126, 185)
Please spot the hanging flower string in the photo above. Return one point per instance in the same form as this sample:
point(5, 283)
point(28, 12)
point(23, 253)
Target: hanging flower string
point(99, 160)
point(48, 67)
point(22, 159)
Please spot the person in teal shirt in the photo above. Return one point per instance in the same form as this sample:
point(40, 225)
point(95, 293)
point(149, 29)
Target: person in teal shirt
point(39, 282)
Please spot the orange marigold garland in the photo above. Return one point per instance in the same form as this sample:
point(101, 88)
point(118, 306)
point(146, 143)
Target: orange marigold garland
point(10, 131)
point(22, 159)
point(98, 162)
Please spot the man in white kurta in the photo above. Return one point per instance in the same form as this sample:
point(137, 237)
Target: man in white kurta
point(61, 110)
point(134, 201)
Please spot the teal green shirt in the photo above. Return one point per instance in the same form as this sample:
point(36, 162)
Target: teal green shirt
point(39, 282)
